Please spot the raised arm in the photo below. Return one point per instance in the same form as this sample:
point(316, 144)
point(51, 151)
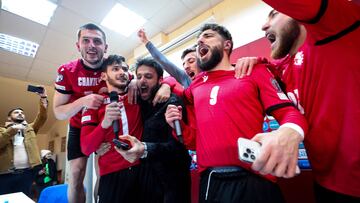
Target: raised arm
point(178, 73)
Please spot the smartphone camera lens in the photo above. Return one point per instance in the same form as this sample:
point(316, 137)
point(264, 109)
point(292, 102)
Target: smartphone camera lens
point(248, 150)
point(246, 155)
point(252, 157)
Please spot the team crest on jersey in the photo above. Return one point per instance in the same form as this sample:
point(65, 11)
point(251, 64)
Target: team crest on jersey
point(299, 58)
point(59, 78)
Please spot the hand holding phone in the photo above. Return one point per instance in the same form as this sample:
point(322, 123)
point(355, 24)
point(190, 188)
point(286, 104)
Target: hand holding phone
point(121, 145)
point(248, 150)
point(36, 89)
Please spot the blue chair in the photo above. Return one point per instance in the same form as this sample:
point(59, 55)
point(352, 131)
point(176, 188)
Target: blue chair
point(54, 194)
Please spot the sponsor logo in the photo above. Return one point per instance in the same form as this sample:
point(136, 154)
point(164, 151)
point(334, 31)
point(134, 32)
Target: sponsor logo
point(205, 78)
point(85, 118)
point(88, 81)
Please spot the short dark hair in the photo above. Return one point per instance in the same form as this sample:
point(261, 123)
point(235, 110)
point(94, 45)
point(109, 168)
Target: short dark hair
point(17, 108)
point(219, 29)
point(188, 50)
point(151, 63)
point(113, 59)
point(91, 26)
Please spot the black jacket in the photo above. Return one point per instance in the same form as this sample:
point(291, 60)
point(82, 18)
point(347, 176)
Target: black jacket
point(167, 161)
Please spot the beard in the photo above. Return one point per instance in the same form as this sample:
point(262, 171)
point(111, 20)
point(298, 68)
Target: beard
point(114, 83)
point(215, 58)
point(286, 40)
point(18, 120)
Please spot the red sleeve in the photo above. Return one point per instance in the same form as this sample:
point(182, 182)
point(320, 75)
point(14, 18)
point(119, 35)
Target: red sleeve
point(270, 92)
point(189, 128)
point(62, 82)
point(175, 86)
point(303, 10)
point(170, 81)
point(290, 115)
point(322, 18)
point(92, 134)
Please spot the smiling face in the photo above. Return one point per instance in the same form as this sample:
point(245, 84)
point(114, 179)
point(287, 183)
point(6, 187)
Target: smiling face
point(282, 32)
point(210, 49)
point(190, 65)
point(92, 46)
point(147, 81)
point(116, 75)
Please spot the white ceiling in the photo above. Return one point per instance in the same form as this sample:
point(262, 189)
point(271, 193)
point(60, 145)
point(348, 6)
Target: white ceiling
point(57, 40)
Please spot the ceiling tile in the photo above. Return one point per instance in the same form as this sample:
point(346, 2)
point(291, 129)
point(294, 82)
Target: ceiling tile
point(67, 22)
point(45, 66)
point(56, 47)
point(15, 59)
point(41, 77)
point(92, 9)
point(146, 9)
point(13, 71)
point(171, 14)
point(24, 28)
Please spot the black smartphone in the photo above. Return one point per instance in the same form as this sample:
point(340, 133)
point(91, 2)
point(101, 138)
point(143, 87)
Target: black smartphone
point(121, 145)
point(33, 88)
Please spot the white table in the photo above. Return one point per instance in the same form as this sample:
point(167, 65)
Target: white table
point(17, 197)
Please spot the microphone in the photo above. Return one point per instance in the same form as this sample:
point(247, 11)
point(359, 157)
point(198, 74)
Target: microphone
point(114, 97)
point(178, 131)
point(177, 125)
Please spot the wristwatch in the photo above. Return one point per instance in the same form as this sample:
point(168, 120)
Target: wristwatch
point(145, 151)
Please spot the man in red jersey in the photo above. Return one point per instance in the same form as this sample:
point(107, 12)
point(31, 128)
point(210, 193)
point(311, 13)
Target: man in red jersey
point(226, 109)
point(118, 182)
point(77, 86)
point(323, 58)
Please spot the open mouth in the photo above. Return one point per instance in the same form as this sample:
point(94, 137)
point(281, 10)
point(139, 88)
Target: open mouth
point(191, 74)
point(143, 89)
point(271, 37)
point(203, 50)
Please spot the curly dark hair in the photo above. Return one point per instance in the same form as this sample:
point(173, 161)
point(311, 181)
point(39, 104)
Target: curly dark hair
point(148, 61)
point(219, 29)
point(113, 59)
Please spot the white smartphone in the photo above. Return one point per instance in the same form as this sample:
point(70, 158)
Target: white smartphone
point(248, 150)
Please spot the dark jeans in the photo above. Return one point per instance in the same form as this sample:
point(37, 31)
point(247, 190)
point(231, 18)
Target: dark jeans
point(323, 195)
point(18, 181)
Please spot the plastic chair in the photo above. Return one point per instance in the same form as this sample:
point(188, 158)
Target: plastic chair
point(54, 194)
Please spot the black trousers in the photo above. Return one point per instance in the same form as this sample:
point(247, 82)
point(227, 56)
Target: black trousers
point(164, 186)
point(323, 195)
point(237, 186)
point(121, 186)
point(19, 181)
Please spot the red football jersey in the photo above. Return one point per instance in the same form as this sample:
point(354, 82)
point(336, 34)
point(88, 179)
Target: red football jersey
point(78, 80)
point(329, 89)
point(92, 134)
point(227, 108)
